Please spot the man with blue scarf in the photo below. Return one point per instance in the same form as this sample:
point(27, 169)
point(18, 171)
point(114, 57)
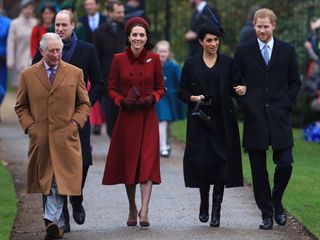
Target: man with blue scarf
point(82, 55)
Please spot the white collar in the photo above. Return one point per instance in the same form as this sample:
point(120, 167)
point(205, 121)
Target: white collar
point(96, 16)
point(201, 6)
point(48, 67)
point(270, 44)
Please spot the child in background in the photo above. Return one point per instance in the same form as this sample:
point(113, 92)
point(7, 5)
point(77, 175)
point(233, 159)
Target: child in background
point(169, 108)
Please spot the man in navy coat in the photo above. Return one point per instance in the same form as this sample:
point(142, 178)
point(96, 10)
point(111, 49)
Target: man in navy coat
point(266, 78)
point(82, 55)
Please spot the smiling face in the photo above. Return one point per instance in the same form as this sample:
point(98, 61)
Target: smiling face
point(264, 28)
point(63, 25)
point(137, 38)
point(210, 43)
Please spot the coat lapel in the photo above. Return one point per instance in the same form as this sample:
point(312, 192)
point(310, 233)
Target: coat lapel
point(276, 52)
point(42, 75)
point(61, 73)
point(199, 75)
point(257, 53)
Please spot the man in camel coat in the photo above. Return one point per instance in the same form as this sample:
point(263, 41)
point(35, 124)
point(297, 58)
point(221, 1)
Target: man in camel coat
point(52, 105)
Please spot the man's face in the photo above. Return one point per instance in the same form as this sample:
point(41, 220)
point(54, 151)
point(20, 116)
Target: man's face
point(52, 53)
point(118, 13)
point(63, 26)
point(264, 29)
point(91, 7)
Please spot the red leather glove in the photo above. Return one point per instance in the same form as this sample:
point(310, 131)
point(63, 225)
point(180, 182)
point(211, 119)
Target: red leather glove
point(148, 101)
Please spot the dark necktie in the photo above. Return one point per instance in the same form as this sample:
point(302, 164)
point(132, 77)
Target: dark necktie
point(52, 75)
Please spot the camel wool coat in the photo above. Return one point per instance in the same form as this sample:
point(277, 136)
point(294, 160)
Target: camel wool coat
point(54, 143)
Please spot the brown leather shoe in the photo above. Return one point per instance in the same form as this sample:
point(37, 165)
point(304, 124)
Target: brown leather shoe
point(52, 231)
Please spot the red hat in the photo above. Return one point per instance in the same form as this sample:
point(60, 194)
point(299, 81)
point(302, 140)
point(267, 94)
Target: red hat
point(136, 21)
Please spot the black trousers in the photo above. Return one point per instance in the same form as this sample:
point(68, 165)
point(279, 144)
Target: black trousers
point(266, 199)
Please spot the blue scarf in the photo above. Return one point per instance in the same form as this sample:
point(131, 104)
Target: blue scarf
point(68, 48)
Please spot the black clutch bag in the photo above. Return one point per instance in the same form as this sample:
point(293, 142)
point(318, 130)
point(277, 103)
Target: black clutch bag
point(203, 112)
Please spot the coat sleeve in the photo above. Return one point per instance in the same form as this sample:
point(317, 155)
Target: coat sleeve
point(237, 69)
point(34, 40)
point(95, 77)
point(11, 45)
point(183, 92)
point(22, 107)
point(82, 102)
point(159, 89)
point(113, 83)
point(294, 81)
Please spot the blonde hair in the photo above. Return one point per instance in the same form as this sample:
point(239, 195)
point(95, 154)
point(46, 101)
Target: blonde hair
point(263, 13)
point(166, 44)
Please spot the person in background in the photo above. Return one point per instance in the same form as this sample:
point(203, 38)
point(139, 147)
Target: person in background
point(109, 39)
point(52, 106)
point(134, 8)
point(93, 18)
point(4, 30)
point(247, 32)
point(82, 55)
point(135, 85)
point(47, 12)
point(18, 41)
point(266, 77)
point(202, 11)
point(169, 108)
point(212, 155)
point(78, 29)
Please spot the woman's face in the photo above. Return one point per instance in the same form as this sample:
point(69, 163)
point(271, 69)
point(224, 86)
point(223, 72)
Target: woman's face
point(210, 43)
point(164, 52)
point(48, 16)
point(137, 37)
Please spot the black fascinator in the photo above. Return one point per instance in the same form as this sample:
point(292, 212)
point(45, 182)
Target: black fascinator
point(211, 25)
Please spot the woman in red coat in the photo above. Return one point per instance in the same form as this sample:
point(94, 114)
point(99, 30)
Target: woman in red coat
point(135, 84)
point(47, 13)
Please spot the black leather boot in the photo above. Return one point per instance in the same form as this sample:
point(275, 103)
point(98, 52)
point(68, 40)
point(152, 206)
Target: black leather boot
point(217, 198)
point(204, 204)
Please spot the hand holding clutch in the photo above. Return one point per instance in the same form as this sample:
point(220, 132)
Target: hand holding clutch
point(131, 100)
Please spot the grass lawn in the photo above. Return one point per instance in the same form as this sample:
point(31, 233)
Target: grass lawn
point(8, 203)
point(302, 197)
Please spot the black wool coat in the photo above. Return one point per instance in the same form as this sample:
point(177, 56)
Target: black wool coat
point(270, 96)
point(85, 58)
point(192, 83)
point(85, 22)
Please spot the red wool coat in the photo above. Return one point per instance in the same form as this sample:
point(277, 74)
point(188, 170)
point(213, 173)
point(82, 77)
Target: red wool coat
point(133, 155)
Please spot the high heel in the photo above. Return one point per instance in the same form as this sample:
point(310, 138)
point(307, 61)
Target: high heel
point(143, 223)
point(132, 223)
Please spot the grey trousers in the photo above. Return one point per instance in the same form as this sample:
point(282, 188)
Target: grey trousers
point(54, 205)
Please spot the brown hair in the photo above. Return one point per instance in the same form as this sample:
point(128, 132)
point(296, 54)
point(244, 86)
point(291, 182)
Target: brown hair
point(263, 13)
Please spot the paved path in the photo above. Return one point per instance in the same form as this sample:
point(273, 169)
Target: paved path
point(173, 208)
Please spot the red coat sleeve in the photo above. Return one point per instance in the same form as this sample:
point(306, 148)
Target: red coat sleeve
point(159, 90)
point(113, 82)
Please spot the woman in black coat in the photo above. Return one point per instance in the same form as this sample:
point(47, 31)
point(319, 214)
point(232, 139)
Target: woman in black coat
point(212, 154)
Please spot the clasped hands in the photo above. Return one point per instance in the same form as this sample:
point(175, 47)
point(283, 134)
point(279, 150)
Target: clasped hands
point(131, 103)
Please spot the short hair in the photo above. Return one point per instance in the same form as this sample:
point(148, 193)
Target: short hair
point(96, 1)
point(70, 14)
point(49, 36)
point(109, 5)
point(265, 12)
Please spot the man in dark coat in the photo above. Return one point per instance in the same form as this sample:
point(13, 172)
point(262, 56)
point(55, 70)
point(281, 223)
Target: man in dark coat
point(93, 19)
point(109, 39)
point(201, 14)
point(82, 55)
point(266, 77)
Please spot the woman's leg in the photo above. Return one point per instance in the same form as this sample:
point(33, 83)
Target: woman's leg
point(146, 189)
point(217, 197)
point(163, 138)
point(204, 204)
point(131, 194)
